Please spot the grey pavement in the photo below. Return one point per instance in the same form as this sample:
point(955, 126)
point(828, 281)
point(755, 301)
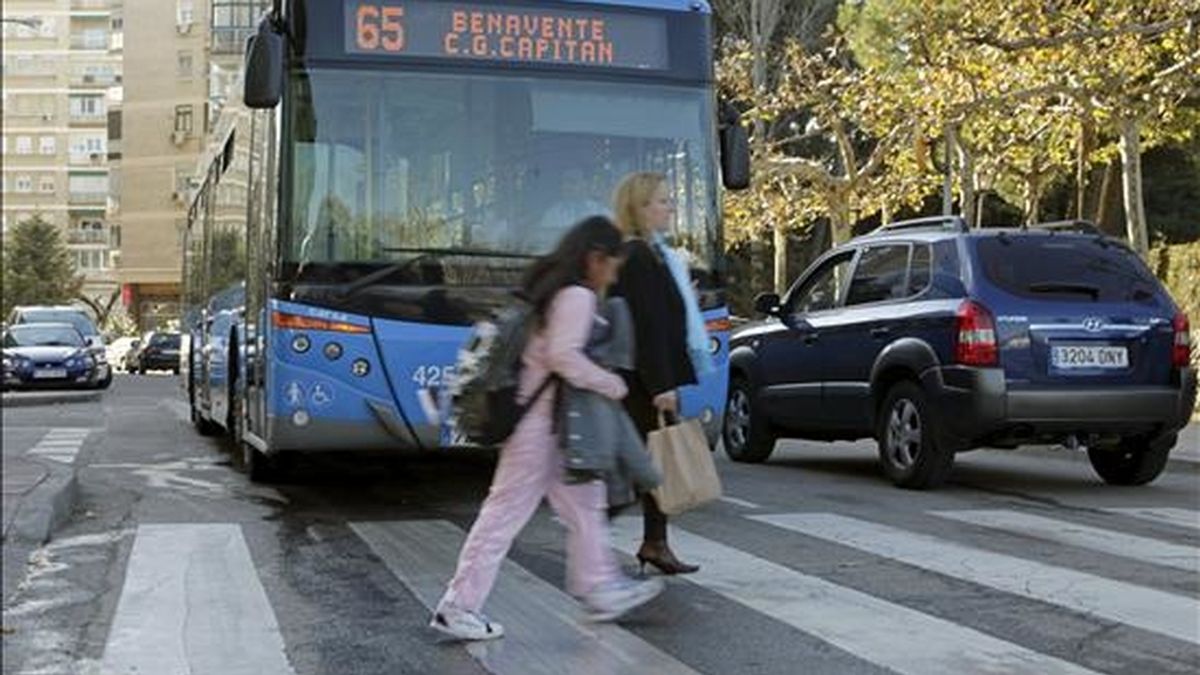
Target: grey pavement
point(1023, 563)
point(19, 399)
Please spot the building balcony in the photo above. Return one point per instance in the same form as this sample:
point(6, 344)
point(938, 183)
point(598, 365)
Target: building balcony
point(94, 160)
point(89, 5)
point(89, 199)
point(89, 237)
point(93, 80)
point(89, 43)
point(89, 119)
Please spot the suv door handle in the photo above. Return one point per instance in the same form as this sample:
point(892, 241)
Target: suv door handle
point(880, 332)
point(811, 338)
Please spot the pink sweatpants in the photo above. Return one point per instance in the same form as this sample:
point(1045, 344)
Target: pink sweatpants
point(530, 468)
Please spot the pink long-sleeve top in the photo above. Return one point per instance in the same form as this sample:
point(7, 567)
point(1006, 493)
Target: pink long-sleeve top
point(558, 348)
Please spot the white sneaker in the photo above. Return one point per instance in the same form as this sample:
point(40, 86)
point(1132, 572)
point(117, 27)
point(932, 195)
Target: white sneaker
point(615, 599)
point(465, 625)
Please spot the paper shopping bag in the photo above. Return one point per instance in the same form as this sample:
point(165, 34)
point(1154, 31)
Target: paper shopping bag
point(689, 475)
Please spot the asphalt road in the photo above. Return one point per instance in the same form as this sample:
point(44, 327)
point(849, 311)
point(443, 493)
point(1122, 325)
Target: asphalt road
point(174, 563)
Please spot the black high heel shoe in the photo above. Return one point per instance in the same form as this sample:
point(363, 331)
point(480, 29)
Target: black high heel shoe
point(664, 560)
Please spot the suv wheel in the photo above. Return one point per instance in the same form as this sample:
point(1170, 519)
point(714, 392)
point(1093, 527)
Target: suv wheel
point(1133, 461)
point(746, 439)
point(908, 447)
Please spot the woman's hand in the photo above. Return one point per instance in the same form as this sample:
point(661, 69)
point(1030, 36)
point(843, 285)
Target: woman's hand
point(667, 402)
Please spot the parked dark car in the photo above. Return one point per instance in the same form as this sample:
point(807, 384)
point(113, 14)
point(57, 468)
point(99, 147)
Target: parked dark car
point(935, 339)
point(80, 320)
point(46, 355)
point(156, 351)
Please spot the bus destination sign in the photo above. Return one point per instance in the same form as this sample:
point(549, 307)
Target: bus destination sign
point(442, 30)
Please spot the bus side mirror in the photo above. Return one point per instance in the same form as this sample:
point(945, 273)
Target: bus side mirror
point(735, 149)
point(264, 67)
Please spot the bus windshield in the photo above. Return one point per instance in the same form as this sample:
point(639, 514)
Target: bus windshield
point(387, 161)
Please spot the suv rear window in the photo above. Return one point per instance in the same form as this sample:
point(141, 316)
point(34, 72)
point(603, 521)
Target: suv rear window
point(1047, 267)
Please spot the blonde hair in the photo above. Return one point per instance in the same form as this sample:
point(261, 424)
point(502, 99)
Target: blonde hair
point(635, 191)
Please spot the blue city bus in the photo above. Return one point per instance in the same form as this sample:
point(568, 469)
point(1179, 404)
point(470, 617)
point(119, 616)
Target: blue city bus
point(387, 172)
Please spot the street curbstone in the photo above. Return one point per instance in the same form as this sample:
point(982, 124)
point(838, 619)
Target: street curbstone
point(45, 507)
point(27, 399)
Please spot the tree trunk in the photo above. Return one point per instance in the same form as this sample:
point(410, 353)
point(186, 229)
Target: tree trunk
point(781, 258)
point(1102, 200)
point(839, 219)
point(1131, 182)
point(1033, 197)
point(947, 185)
point(1087, 140)
point(967, 182)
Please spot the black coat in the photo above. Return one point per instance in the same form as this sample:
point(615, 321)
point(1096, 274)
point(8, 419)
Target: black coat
point(660, 328)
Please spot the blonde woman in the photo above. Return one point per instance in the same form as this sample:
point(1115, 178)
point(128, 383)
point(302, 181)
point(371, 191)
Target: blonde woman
point(667, 325)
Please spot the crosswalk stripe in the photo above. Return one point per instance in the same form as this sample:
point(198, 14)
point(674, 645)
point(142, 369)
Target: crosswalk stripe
point(192, 603)
point(543, 626)
point(1145, 608)
point(1129, 546)
point(1170, 516)
point(875, 630)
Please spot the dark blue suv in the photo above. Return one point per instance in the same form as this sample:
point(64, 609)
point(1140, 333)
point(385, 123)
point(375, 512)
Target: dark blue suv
point(934, 339)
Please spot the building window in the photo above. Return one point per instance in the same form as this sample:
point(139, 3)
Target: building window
point(185, 13)
point(47, 183)
point(183, 119)
point(184, 63)
point(24, 184)
point(24, 145)
point(87, 106)
point(48, 145)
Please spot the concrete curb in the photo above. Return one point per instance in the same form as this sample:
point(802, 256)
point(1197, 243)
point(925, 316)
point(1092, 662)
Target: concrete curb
point(45, 507)
point(26, 399)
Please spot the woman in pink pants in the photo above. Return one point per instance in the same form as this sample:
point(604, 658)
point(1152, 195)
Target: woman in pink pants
point(564, 289)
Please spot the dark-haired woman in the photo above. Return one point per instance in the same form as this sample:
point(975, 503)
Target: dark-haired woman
point(564, 289)
point(670, 335)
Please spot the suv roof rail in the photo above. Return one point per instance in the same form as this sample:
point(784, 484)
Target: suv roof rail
point(955, 223)
point(1080, 226)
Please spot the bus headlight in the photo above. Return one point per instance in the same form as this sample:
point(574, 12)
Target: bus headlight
point(714, 345)
point(301, 343)
point(360, 367)
point(333, 351)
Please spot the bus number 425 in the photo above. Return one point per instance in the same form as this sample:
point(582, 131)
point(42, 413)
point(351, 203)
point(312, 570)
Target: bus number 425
point(379, 26)
point(428, 377)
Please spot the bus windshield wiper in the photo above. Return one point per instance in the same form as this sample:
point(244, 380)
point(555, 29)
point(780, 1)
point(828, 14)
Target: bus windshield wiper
point(1065, 287)
point(423, 254)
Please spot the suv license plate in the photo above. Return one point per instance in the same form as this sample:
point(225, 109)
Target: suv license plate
point(1070, 357)
point(49, 373)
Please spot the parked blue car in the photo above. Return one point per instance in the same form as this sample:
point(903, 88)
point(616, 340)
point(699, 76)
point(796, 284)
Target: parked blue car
point(934, 339)
point(45, 355)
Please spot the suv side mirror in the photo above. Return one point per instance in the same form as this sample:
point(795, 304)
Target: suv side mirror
point(767, 304)
point(735, 149)
point(264, 66)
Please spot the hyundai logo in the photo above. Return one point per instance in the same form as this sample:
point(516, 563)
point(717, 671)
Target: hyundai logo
point(1093, 324)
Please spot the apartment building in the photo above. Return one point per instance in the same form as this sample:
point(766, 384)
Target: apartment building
point(162, 121)
point(61, 74)
point(181, 59)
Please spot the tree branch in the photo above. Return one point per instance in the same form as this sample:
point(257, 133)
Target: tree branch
point(1144, 30)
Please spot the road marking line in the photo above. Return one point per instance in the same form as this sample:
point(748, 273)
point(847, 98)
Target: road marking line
point(1170, 516)
point(1142, 549)
point(1146, 608)
point(892, 636)
point(192, 603)
point(739, 502)
point(544, 628)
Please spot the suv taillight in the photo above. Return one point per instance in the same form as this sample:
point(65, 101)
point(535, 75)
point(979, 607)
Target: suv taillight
point(1181, 351)
point(975, 342)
